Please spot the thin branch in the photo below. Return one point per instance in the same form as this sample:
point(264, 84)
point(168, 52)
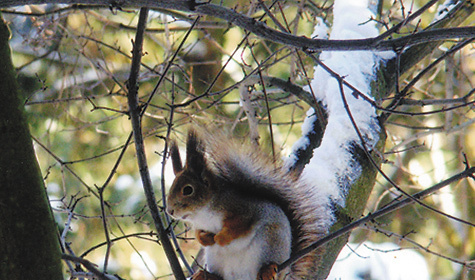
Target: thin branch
point(236, 84)
point(89, 266)
point(135, 111)
point(105, 227)
point(413, 55)
point(320, 111)
point(69, 208)
point(206, 93)
point(410, 18)
point(117, 162)
point(255, 138)
point(433, 131)
point(424, 248)
point(169, 64)
point(464, 100)
point(162, 176)
point(454, 49)
point(137, 235)
point(269, 116)
point(65, 165)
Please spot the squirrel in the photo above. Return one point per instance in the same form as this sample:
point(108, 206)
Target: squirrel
point(248, 213)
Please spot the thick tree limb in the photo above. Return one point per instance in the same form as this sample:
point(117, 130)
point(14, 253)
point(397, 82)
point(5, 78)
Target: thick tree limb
point(262, 30)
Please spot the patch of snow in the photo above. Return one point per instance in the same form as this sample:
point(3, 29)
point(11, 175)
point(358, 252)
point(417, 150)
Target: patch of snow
point(320, 30)
point(444, 9)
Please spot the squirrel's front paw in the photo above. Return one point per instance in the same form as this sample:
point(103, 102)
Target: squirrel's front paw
point(268, 272)
point(205, 275)
point(222, 238)
point(205, 238)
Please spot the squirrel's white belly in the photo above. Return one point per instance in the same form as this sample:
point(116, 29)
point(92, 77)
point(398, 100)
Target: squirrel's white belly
point(238, 260)
point(269, 241)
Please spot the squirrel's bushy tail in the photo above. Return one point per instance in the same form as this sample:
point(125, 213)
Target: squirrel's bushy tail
point(314, 217)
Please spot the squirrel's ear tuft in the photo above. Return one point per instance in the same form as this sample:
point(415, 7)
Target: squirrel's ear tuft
point(195, 159)
point(175, 156)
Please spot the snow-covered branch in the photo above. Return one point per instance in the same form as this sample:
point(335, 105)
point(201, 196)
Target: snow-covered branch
point(333, 160)
point(352, 124)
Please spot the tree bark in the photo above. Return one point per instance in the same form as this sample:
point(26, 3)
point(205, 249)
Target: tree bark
point(29, 247)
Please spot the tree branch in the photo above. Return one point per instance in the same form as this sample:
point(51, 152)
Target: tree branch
point(134, 111)
point(262, 30)
point(89, 266)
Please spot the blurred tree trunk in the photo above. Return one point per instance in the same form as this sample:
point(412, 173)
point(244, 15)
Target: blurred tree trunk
point(29, 247)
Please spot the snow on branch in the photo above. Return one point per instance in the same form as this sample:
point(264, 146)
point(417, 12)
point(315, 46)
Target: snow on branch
point(333, 167)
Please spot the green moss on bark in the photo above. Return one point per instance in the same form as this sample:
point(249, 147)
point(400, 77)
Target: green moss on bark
point(355, 204)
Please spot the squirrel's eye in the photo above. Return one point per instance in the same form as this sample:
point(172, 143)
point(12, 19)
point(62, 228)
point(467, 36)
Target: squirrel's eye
point(187, 190)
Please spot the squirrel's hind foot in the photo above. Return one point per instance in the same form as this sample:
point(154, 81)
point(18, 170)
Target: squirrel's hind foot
point(205, 275)
point(268, 272)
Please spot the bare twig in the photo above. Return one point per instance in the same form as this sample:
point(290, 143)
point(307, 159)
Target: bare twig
point(89, 266)
point(135, 111)
point(256, 134)
point(434, 130)
point(119, 51)
point(141, 235)
point(424, 248)
point(63, 164)
point(410, 18)
point(164, 162)
point(449, 101)
point(105, 227)
point(169, 64)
